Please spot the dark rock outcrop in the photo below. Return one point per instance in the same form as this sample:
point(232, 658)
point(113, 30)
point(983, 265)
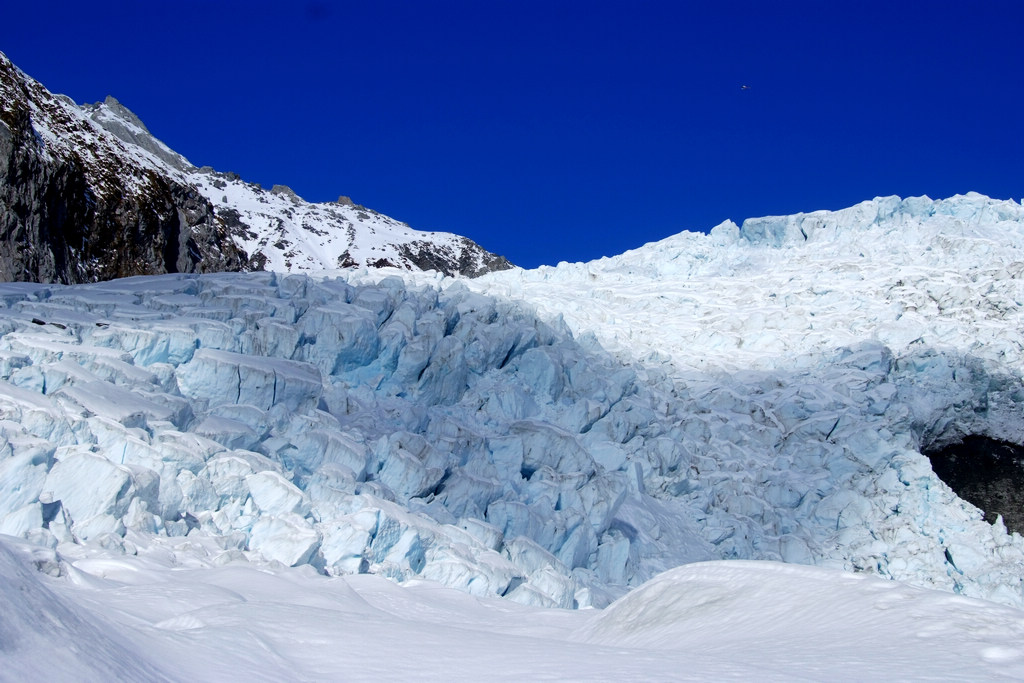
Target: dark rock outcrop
point(469, 261)
point(75, 206)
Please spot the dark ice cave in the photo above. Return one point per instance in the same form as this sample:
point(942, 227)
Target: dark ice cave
point(987, 473)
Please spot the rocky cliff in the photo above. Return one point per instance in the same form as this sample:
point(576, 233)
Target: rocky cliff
point(77, 204)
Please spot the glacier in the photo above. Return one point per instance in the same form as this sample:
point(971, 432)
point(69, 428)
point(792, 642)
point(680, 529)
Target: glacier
point(410, 431)
point(342, 468)
point(555, 436)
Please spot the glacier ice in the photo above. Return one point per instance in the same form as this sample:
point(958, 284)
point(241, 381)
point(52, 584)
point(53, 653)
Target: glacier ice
point(554, 436)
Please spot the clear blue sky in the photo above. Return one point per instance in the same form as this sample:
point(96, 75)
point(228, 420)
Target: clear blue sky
point(552, 131)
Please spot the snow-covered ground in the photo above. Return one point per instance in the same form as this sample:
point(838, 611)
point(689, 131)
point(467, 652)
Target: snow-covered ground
point(135, 619)
point(234, 463)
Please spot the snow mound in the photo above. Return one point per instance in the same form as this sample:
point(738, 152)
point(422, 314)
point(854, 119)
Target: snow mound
point(814, 623)
point(40, 631)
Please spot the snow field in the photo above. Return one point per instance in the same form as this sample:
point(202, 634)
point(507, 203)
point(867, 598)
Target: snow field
point(145, 618)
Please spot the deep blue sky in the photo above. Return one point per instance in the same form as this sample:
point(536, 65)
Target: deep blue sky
point(552, 131)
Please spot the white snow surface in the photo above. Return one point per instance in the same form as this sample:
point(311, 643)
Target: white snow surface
point(785, 291)
point(141, 619)
point(234, 463)
point(299, 236)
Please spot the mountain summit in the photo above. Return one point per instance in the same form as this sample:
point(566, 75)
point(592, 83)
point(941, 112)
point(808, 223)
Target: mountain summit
point(87, 193)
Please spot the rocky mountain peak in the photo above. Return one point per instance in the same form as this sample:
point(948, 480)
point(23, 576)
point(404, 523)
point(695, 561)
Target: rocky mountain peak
point(117, 119)
point(88, 193)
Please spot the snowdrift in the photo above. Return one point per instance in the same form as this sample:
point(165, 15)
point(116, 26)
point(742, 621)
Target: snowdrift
point(134, 618)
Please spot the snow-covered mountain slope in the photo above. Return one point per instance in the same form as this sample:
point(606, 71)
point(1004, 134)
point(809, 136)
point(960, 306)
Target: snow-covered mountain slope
point(88, 193)
point(288, 234)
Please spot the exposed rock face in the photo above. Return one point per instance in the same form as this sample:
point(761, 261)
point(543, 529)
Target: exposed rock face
point(426, 256)
point(87, 193)
point(77, 206)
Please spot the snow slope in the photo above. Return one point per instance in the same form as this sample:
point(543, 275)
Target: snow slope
point(554, 437)
point(40, 631)
point(743, 620)
point(284, 232)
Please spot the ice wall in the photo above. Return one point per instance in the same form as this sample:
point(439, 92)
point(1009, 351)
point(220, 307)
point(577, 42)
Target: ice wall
point(427, 431)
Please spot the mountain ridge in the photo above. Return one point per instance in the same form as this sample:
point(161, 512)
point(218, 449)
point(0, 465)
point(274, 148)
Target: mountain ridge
point(87, 193)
